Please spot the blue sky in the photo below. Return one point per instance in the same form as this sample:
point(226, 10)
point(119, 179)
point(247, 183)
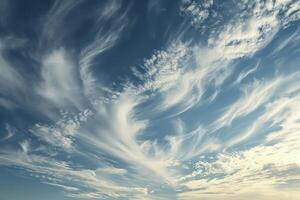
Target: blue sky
point(157, 99)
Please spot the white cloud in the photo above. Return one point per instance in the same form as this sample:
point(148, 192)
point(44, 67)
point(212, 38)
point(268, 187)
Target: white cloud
point(259, 170)
point(253, 28)
point(10, 132)
point(244, 74)
point(163, 68)
point(254, 96)
point(112, 170)
point(66, 188)
point(60, 83)
point(10, 78)
point(53, 25)
point(177, 77)
point(116, 135)
point(75, 181)
point(25, 146)
point(105, 39)
point(61, 134)
point(7, 103)
point(197, 12)
point(264, 170)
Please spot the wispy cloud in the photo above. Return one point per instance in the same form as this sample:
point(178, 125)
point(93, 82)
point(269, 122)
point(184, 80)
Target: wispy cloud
point(61, 135)
point(261, 168)
point(10, 78)
point(10, 132)
point(105, 38)
point(53, 25)
point(60, 83)
point(186, 123)
point(59, 173)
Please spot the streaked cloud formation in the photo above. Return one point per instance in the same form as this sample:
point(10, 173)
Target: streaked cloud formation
point(199, 101)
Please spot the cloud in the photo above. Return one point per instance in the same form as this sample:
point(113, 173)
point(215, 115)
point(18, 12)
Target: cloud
point(244, 74)
point(66, 188)
point(177, 76)
point(10, 78)
point(161, 133)
point(197, 12)
point(61, 135)
point(5, 103)
point(60, 83)
point(254, 29)
point(261, 169)
point(254, 95)
point(112, 170)
point(116, 135)
point(105, 38)
point(25, 145)
point(77, 182)
point(53, 25)
point(10, 132)
point(163, 68)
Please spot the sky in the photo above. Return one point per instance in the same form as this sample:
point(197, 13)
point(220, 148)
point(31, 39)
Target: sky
point(149, 99)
